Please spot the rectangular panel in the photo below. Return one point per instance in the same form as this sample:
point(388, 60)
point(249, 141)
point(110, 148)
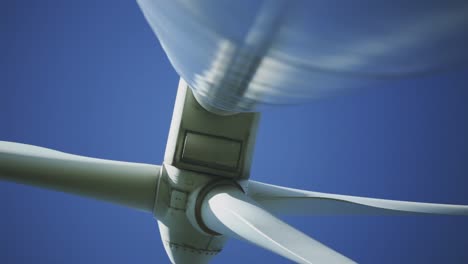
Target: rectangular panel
point(211, 151)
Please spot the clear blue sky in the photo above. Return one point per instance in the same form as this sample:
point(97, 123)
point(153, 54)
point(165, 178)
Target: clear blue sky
point(90, 78)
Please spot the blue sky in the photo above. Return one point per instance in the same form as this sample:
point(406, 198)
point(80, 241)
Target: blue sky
point(90, 78)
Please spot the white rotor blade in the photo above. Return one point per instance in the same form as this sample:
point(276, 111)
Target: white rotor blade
point(284, 200)
point(230, 212)
point(129, 184)
point(246, 53)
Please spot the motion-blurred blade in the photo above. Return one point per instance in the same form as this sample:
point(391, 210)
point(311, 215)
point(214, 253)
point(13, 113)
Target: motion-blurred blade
point(230, 212)
point(282, 200)
point(237, 55)
point(129, 184)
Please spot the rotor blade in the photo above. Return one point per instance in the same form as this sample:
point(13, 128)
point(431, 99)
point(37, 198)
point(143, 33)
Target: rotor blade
point(248, 53)
point(230, 212)
point(129, 184)
point(284, 200)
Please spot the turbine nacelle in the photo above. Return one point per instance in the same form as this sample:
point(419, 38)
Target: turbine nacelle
point(203, 150)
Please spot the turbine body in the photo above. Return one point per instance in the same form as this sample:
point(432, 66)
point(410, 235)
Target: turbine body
point(203, 148)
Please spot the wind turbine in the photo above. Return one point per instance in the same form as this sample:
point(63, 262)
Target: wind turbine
point(16, 148)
